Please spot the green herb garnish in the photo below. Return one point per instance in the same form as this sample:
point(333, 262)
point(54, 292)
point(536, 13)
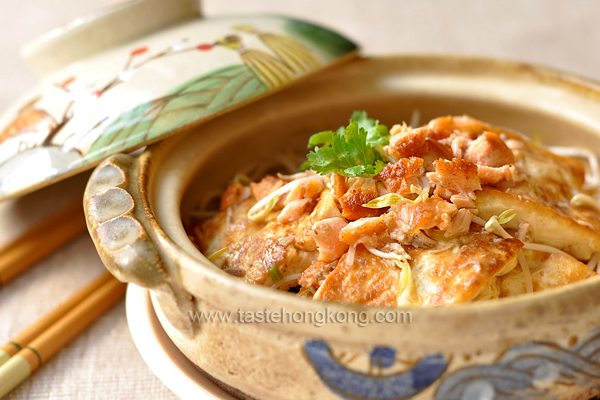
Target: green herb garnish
point(356, 150)
point(275, 273)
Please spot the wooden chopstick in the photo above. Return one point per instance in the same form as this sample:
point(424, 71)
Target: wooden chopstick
point(21, 365)
point(22, 339)
point(40, 241)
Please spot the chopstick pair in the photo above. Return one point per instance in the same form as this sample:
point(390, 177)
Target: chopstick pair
point(29, 350)
point(41, 241)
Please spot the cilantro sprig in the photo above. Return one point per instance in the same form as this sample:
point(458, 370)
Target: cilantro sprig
point(356, 150)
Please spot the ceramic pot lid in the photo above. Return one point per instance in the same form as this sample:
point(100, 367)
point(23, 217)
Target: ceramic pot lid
point(134, 75)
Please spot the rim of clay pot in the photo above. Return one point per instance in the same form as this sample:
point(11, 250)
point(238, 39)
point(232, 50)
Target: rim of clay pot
point(489, 321)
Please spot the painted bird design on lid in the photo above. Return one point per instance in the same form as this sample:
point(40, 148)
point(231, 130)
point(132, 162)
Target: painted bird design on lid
point(271, 70)
point(295, 55)
point(30, 120)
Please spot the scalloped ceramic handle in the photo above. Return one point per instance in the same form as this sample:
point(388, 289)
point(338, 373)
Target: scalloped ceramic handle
point(121, 225)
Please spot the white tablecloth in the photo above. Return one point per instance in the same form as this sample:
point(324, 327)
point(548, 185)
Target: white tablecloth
point(103, 363)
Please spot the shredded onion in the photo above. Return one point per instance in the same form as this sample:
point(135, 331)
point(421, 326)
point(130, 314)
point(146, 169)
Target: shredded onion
point(405, 278)
point(478, 220)
point(442, 249)
point(526, 272)
point(581, 199)
point(415, 118)
point(493, 226)
point(287, 279)
point(350, 257)
point(214, 256)
point(545, 248)
point(390, 256)
point(297, 175)
point(261, 209)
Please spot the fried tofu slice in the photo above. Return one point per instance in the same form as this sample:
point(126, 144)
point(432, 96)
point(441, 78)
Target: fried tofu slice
point(556, 271)
point(547, 226)
point(254, 248)
point(454, 272)
point(369, 280)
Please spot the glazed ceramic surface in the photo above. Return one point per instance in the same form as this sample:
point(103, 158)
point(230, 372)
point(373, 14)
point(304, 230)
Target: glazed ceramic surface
point(538, 346)
point(105, 90)
point(174, 369)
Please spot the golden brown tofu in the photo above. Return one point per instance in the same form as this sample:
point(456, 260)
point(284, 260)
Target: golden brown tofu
point(453, 272)
point(547, 226)
point(556, 271)
point(255, 247)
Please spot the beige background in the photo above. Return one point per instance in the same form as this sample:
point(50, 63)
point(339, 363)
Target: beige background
point(103, 363)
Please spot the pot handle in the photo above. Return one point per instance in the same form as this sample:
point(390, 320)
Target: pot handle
point(124, 231)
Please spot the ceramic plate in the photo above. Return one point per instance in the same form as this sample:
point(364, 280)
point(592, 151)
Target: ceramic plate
point(162, 356)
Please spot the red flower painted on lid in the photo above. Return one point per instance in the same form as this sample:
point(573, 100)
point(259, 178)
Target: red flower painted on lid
point(204, 47)
point(139, 51)
point(67, 82)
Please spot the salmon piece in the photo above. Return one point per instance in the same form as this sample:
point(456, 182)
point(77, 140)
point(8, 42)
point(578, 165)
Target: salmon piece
point(489, 150)
point(313, 188)
point(232, 196)
point(292, 211)
point(421, 142)
point(325, 208)
point(430, 213)
point(459, 146)
point(437, 151)
point(464, 125)
point(462, 201)
point(460, 224)
point(366, 230)
point(265, 187)
point(362, 191)
point(338, 185)
point(309, 190)
point(327, 237)
point(494, 176)
point(297, 193)
point(400, 129)
point(412, 143)
point(399, 176)
point(455, 177)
